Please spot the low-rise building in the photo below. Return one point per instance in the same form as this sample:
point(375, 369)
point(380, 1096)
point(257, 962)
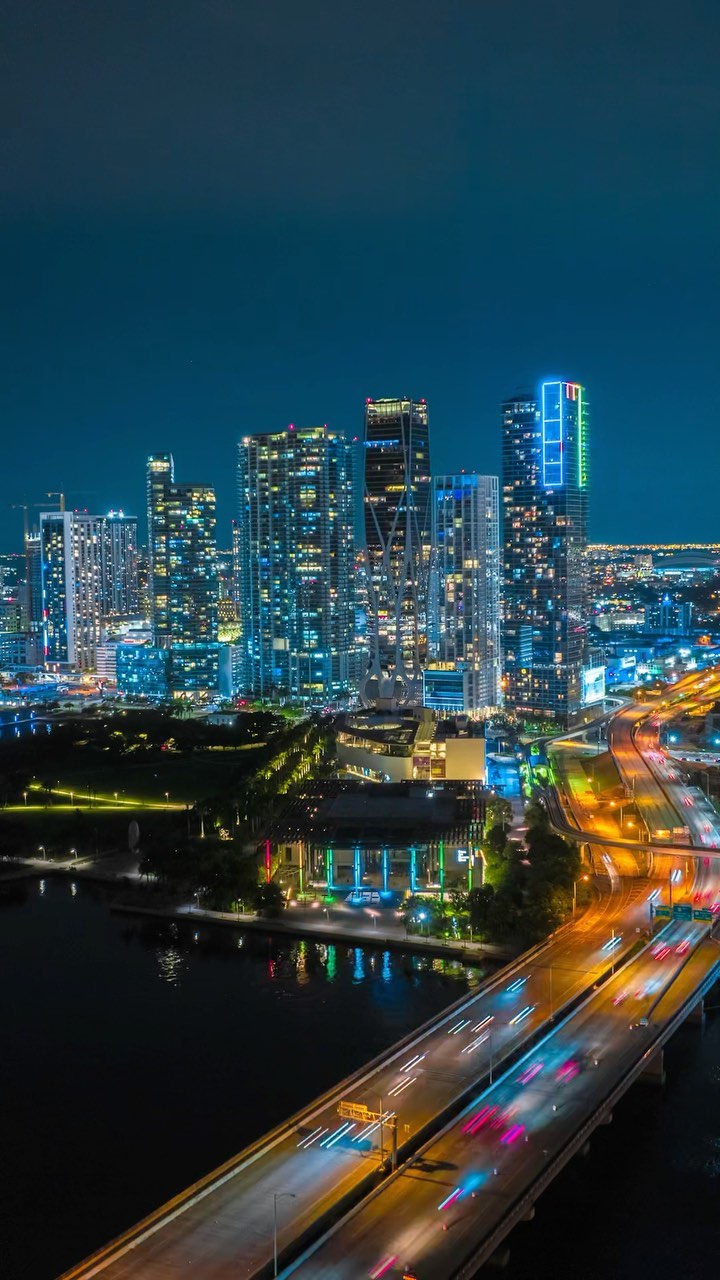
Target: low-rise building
point(360, 840)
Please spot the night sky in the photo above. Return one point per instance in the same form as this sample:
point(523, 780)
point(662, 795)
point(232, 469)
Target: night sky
point(219, 217)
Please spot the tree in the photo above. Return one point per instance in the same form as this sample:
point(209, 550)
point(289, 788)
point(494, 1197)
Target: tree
point(269, 899)
point(480, 902)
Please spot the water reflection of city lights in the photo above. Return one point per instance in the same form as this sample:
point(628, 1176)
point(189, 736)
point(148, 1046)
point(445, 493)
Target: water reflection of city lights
point(170, 964)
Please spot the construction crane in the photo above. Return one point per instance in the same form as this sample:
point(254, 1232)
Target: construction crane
point(55, 493)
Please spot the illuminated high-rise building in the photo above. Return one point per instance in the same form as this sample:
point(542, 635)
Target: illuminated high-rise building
point(544, 498)
point(72, 586)
point(294, 554)
point(120, 551)
point(396, 491)
point(464, 614)
point(183, 577)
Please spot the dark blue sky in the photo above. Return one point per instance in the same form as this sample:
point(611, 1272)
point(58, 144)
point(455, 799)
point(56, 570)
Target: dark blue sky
point(218, 217)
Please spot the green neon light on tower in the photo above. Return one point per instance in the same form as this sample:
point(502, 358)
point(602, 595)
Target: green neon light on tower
point(582, 442)
point(441, 865)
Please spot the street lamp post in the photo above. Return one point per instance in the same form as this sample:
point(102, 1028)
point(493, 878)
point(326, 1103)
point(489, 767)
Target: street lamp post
point(278, 1195)
point(25, 798)
point(575, 885)
point(382, 1136)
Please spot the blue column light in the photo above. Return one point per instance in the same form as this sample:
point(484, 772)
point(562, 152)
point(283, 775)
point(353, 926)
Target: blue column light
point(413, 868)
point(385, 870)
point(358, 875)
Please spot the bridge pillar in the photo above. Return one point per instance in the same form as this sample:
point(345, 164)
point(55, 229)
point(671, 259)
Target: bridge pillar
point(654, 1069)
point(696, 1016)
point(529, 1214)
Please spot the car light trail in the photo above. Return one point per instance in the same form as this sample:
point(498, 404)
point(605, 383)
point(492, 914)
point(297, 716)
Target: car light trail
point(459, 1026)
point(475, 1044)
point(338, 1134)
point(612, 943)
point(312, 1137)
point(530, 1072)
point(400, 1088)
point(515, 986)
point(413, 1062)
point(485, 1023)
point(383, 1267)
point(478, 1121)
point(514, 1132)
point(522, 1015)
point(454, 1195)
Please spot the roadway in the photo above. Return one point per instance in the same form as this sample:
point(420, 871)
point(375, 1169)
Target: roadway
point(223, 1227)
point(227, 1225)
point(463, 1187)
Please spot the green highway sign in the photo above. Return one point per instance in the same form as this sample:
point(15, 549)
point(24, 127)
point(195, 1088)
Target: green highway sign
point(702, 913)
point(662, 913)
point(683, 911)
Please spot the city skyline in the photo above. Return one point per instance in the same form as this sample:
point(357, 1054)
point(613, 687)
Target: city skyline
point(352, 229)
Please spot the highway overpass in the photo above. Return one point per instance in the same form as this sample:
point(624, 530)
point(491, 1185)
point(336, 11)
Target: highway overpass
point(223, 1226)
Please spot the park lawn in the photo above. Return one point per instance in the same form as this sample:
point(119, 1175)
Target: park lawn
point(100, 829)
point(187, 778)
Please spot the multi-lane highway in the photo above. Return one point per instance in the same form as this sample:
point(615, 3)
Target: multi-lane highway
point(453, 1203)
point(321, 1158)
point(224, 1227)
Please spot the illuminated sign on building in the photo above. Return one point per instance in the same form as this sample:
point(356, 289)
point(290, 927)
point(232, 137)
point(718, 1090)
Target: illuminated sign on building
point(592, 685)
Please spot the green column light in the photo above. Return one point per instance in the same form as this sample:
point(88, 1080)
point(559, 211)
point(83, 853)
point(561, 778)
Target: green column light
point(441, 868)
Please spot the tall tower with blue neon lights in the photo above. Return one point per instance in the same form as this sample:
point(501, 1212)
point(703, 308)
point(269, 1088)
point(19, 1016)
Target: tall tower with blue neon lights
point(544, 503)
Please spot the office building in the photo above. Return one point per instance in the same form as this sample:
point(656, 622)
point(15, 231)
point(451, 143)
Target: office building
point(183, 584)
point(72, 586)
point(544, 498)
point(120, 550)
point(397, 521)
point(669, 617)
point(293, 543)
point(464, 615)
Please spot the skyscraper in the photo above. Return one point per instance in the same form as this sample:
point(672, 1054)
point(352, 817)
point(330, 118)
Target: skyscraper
point(464, 621)
point(544, 456)
point(71, 547)
point(396, 492)
point(294, 546)
point(120, 562)
point(183, 576)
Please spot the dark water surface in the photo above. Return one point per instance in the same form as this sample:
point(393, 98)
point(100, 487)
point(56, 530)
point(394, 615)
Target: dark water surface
point(137, 1055)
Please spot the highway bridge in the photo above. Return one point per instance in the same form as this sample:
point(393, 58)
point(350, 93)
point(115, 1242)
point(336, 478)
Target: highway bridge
point(307, 1173)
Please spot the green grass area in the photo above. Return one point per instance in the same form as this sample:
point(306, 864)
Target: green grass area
point(185, 778)
point(602, 772)
point(60, 828)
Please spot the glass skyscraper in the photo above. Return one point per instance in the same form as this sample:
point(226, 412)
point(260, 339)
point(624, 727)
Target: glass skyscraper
point(544, 498)
point(396, 493)
point(183, 576)
point(464, 615)
point(294, 545)
point(120, 560)
point(72, 587)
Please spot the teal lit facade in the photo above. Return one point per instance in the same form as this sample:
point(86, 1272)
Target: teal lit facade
point(143, 672)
